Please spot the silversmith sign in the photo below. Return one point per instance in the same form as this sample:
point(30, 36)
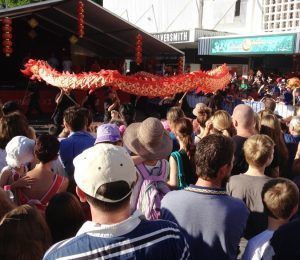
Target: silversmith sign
point(179, 36)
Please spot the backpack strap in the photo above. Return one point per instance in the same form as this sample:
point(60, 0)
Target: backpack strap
point(56, 185)
point(143, 171)
point(177, 156)
point(146, 175)
point(163, 168)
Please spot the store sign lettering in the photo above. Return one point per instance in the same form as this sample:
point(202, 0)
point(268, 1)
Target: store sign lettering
point(180, 36)
point(269, 44)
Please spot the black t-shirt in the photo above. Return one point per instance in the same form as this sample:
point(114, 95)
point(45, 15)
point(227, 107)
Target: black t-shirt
point(239, 165)
point(285, 241)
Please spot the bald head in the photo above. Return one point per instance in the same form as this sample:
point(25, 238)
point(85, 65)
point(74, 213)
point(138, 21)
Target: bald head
point(243, 117)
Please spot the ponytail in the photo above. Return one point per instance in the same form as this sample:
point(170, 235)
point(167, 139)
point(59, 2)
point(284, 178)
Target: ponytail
point(189, 147)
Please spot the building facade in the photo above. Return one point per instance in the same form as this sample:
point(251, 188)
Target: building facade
point(185, 23)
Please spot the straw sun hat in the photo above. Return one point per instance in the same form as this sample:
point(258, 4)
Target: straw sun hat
point(148, 139)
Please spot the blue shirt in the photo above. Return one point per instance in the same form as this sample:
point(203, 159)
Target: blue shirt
point(133, 238)
point(72, 146)
point(212, 221)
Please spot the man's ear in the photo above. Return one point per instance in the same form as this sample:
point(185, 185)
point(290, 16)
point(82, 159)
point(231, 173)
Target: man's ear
point(234, 122)
point(66, 125)
point(81, 195)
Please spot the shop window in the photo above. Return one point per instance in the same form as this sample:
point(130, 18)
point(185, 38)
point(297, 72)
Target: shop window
point(237, 8)
point(283, 24)
point(278, 8)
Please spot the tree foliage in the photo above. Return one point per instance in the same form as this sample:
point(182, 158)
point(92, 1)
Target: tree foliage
point(14, 3)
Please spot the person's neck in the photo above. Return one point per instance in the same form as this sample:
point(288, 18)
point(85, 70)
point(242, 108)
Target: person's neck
point(82, 130)
point(150, 162)
point(45, 167)
point(212, 183)
point(110, 218)
point(202, 129)
point(255, 171)
point(181, 145)
point(20, 170)
point(274, 224)
point(243, 132)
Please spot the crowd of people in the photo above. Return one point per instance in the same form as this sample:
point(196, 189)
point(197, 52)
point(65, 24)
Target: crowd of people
point(219, 182)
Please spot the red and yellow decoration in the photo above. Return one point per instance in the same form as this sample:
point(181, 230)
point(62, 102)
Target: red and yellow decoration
point(139, 49)
point(7, 36)
point(80, 13)
point(141, 84)
point(180, 65)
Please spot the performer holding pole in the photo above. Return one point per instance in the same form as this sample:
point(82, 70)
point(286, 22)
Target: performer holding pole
point(63, 100)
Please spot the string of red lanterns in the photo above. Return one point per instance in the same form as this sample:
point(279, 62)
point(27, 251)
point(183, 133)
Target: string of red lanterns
point(180, 65)
point(7, 36)
point(80, 13)
point(139, 49)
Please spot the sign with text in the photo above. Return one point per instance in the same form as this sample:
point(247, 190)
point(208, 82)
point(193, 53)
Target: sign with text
point(179, 36)
point(266, 44)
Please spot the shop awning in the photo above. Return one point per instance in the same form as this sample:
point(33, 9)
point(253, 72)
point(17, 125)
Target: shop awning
point(105, 33)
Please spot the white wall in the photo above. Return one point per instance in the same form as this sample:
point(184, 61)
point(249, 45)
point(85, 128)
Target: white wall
point(175, 15)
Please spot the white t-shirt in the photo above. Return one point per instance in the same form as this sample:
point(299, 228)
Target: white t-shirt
point(257, 245)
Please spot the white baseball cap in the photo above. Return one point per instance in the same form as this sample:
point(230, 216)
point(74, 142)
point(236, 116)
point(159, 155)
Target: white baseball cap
point(102, 164)
point(19, 151)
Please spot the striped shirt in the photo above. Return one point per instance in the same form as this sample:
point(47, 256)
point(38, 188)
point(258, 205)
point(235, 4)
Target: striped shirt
point(133, 238)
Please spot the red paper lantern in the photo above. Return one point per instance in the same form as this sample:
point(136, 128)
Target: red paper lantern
point(80, 16)
point(139, 49)
point(7, 36)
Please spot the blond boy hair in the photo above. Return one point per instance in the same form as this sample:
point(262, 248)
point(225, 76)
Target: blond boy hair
point(280, 197)
point(258, 149)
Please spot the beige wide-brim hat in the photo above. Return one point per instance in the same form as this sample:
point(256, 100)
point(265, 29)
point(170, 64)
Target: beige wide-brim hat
point(200, 107)
point(148, 139)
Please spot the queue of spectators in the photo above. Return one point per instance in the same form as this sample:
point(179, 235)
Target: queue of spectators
point(222, 184)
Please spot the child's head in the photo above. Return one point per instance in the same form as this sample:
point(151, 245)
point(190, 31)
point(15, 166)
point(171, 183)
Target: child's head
point(259, 150)
point(295, 125)
point(19, 151)
point(174, 113)
point(280, 197)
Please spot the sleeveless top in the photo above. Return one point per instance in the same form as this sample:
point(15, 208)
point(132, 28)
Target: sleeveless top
point(42, 203)
point(184, 167)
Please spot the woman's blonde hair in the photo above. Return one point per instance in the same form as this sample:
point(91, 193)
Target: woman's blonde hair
point(270, 126)
point(174, 114)
point(258, 150)
point(222, 123)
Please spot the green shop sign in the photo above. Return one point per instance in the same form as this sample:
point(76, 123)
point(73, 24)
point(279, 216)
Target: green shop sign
point(268, 44)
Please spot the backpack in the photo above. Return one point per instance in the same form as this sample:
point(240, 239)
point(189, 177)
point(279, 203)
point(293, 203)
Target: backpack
point(180, 172)
point(152, 190)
